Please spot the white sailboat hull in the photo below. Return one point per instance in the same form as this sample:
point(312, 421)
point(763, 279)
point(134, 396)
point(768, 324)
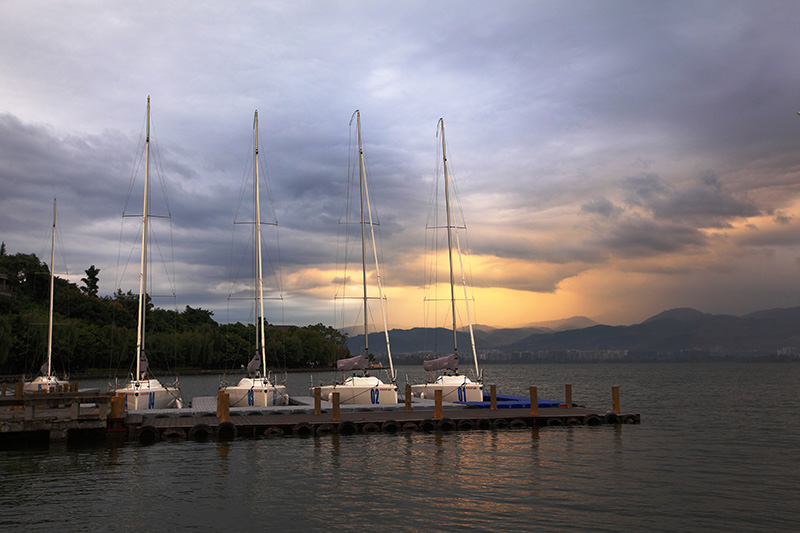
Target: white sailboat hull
point(44, 383)
point(361, 390)
point(454, 389)
point(256, 393)
point(150, 394)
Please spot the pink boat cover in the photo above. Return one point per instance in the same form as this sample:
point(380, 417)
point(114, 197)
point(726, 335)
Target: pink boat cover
point(359, 362)
point(254, 364)
point(448, 362)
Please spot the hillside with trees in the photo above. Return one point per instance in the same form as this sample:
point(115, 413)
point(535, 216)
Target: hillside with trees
point(92, 332)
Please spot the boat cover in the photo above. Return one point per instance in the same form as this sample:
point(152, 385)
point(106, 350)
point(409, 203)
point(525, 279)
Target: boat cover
point(254, 364)
point(448, 362)
point(359, 362)
point(143, 365)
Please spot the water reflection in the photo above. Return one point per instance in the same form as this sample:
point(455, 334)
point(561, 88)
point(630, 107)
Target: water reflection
point(733, 472)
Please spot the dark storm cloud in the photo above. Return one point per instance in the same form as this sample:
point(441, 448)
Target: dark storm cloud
point(600, 206)
point(705, 203)
point(640, 237)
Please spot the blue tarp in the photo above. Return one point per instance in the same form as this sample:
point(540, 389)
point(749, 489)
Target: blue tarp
point(508, 402)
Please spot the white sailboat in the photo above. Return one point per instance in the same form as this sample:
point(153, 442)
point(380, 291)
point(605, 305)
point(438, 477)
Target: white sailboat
point(454, 386)
point(142, 391)
point(256, 388)
point(46, 379)
point(365, 388)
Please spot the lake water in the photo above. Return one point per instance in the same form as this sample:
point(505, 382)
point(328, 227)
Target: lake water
point(718, 449)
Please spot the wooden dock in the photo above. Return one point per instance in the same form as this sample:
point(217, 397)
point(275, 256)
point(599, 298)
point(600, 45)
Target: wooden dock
point(200, 423)
point(55, 416)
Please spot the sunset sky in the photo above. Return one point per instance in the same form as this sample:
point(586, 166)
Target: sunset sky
point(613, 158)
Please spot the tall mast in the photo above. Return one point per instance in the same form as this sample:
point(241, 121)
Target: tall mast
point(52, 276)
point(364, 192)
point(259, 273)
point(362, 186)
point(143, 265)
point(449, 238)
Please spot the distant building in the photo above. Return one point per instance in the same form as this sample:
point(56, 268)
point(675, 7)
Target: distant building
point(5, 288)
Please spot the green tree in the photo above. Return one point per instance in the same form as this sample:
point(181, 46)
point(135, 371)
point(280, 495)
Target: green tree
point(91, 281)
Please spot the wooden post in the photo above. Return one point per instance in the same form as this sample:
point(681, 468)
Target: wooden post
point(317, 400)
point(567, 396)
point(102, 409)
point(493, 393)
point(408, 398)
point(75, 409)
point(19, 387)
point(224, 407)
point(534, 401)
point(615, 399)
point(219, 392)
point(437, 404)
point(336, 416)
point(4, 388)
point(116, 406)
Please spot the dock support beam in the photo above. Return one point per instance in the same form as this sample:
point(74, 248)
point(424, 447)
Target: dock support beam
point(317, 400)
point(437, 404)
point(224, 406)
point(534, 401)
point(567, 396)
point(408, 398)
point(615, 399)
point(336, 417)
point(493, 397)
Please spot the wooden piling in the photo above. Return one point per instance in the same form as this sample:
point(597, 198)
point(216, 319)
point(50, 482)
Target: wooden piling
point(615, 399)
point(4, 388)
point(408, 398)
point(224, 406)
point(336, 417)
point(117, 402)
point(437, 404)
point(19, 388)
point(317, 400)
point(493, 397)
point(567, 396)
point(534, 401)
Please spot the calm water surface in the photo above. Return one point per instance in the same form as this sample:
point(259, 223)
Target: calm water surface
point(718, 450)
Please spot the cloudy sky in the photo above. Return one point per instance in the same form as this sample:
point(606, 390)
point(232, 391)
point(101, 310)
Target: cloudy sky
point(613, 159)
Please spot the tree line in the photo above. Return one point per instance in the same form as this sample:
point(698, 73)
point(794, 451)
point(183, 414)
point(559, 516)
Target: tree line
point(92, 332)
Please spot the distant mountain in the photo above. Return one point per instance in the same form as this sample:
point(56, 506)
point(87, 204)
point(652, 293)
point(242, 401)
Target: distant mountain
point(681, 314)
point(439, 340)
point(673, 331)
point(575, 322)
point(681, 330)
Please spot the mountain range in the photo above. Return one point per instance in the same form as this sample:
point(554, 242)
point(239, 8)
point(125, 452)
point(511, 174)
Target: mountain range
point(673, 331)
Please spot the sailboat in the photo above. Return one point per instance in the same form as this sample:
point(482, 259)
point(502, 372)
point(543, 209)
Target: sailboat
point(143, 391)
point(454, 386)
point(256, 388)
point(46, 378)
point(365, 388)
